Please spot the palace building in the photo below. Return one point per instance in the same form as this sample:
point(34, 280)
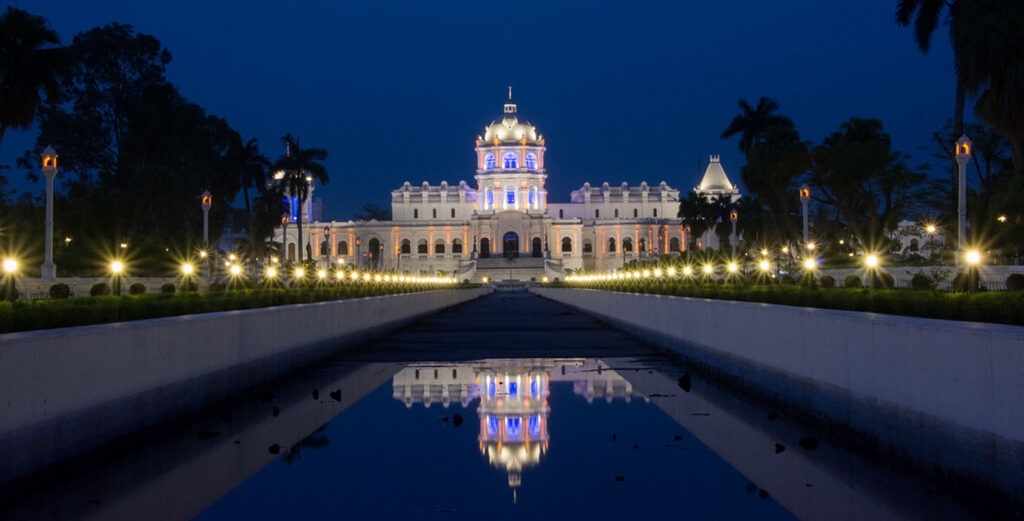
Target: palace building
point(503, 226)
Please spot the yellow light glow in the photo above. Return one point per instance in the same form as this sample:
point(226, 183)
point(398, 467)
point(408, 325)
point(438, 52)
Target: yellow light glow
point(733, 267)
point(202, 254)
point(930, 228)
point(671, 272)
point(116, 267)
point(366, 277)
point(271, 273)
point(186, 269)
point(647, 273)
point(708, 268)
point(236, 269)
point(842, 241)
point(657, 273)
point(355, 275)
point(871, 261)
point(545, 279)
point(299, 273)
point(232, 257)
point(765, 265)
point(124, 245)
point(321, 274)
point(973, 257)
point(377, 278)
point(339, 275)
point(10, 265)
point(1001, 218)
point(485, 280)
point(764, 251)
point(810, 246)
point(810, 264)
point(687, 271)
point(785, 249)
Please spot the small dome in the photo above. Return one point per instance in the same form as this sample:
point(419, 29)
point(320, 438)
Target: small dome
point(510, 130)
point(715, 181)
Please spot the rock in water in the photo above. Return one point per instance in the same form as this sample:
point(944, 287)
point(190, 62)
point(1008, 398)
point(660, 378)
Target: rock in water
point(457, 420)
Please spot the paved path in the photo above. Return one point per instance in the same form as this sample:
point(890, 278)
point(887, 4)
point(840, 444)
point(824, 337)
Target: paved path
point(507, 324)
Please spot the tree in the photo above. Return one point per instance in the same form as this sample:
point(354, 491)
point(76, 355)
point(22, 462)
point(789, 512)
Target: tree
point(250, 167)
point(774, 164)
point(30, 64)
point(301, 167)
point(370, 212)
point(869, 185)
point(696, 213)
point(752, 122)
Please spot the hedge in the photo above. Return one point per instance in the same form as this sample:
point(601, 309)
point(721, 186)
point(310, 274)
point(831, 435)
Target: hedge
point(48, 314)
point(1002, 307)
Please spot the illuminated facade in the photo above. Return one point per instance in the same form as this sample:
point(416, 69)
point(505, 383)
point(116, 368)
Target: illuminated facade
point(513, 410)
point(461, 229)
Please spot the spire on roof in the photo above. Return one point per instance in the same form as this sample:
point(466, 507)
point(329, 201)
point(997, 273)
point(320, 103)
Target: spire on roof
point(510, 108)
point(715, 182)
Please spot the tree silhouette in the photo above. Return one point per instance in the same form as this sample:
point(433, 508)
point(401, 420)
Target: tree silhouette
point(752, 122)
point(301, 166)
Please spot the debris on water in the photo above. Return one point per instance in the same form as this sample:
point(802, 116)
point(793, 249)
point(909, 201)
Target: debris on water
point(809, 485)
point(763, 494)
point(809, 443)
point(678, 437)
point(700, 414)
point(620, 478)
point(614, 437)
point(635, 446)
point(238, 442)
point(457, 420)
point(660, 395)
point(206, 435)
point(751, 487)
point(779, 448)
point(274, 449)
point(275, 411)
point(316, 394)
point(684, 382)
point(336, 395)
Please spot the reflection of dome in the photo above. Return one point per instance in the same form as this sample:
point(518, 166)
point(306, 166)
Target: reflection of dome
point(510, 130)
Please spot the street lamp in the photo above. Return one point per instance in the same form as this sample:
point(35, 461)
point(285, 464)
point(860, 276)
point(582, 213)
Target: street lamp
point(964, 148)
point(733, 216)
point(871, 261)
point(116, 268)
point(10, 274)
point(805, 197)
point(207, 203)
point(973, 258)
point(49, 168)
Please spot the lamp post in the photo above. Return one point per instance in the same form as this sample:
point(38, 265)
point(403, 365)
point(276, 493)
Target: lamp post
point(733, 216)
point(359, 258)
point(116, 268)
point(48, 269)
point(207, 199)
point(10, 276)
point(805, 197)
point(963, 156)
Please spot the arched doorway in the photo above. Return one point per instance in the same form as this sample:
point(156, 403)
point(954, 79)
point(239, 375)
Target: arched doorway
point(485, 248)
point(374, 246)
point(510, 245)
point(535, 247)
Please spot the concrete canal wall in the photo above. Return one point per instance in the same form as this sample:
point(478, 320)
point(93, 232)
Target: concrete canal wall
point(967, 374)
point(65, 391)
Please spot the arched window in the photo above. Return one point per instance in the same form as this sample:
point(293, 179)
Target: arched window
point(616, 213)
point(456, 246)
point(611, 245)
point(566, 245)
point(422, 247)
point(597, 214)
point(342, 248)
point(588, 247)
point(673, 244)
point(439, 247)
point(485, 247)
point(406, 247)
point(655, 212)
point(634, 213)
point(531, 160)
point(325, 248)
point(435, 213)
point(415, 213)
point(509, 160)
point(627, 245)
point(532, 197)
point(643, 245)
point(490, 198)
point(489, 162)
point(510, 196)
point(561, 213)
point(453, 213)
point(291, 251)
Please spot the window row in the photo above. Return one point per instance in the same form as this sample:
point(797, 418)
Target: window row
point(627, 245)
point(512, 198)
point(636, 213)
point(510, 160)
point(423, 247)
point(416, 213)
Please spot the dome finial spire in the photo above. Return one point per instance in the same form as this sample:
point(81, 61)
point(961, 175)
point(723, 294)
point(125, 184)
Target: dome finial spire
point(510, 93)
point(510, 108)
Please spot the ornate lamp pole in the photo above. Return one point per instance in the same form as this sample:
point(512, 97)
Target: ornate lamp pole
point(733, 216)
point(963, 156)
point(207, 199)
point(805, 197)
point(49, 270)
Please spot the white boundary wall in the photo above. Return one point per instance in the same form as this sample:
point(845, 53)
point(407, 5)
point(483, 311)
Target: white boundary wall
point(967, 373)
point(66, 390)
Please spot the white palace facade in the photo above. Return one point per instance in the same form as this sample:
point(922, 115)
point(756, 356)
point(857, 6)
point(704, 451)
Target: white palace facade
point(470, 231)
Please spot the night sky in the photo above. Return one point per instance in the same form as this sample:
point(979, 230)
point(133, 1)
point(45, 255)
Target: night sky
point(637, 91)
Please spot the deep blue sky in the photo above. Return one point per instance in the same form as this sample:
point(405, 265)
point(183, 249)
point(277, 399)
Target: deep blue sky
point(637, 91)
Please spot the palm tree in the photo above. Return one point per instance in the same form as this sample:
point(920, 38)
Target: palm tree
point(696, 212)
point(27, 66)
point(251, 168)
point(301, 167)
point(752, 122)
point(926, 16)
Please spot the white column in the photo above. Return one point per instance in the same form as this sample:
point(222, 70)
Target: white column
point(48, 269)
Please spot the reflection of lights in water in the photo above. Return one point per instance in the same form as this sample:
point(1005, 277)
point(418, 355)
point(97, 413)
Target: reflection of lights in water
point(513, 408)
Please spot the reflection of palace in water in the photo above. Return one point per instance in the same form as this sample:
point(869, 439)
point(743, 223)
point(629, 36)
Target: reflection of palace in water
point(513, 393)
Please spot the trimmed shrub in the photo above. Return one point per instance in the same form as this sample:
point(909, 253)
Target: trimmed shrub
point(828, 282)
point(60, 290)
point(787, 279)
point(216, 287)
point(1015, 282)
point(99, 289)
point(883, 280)
point(189, 285)
point(137, 289)
point(167, 289)
point(922, 281)
point(960, 282)
point(853, 281)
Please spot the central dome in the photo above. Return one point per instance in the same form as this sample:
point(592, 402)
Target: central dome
point(511, 131)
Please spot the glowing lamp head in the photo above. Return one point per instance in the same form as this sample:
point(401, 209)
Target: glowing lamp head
point(733, 216)
point(930, 228)
point(1001, 218)
point(871, 261)
point(355, 275)
point(321, 274)
point(765, 265)
point(810, 264)
point(545, 279)
point(232, 257)
point(186, 269)
point(764, 251)
point(973, 257)
point(647, 273)
point(657, 273)
point(366, 276)
point(785, 249)
point(963, 147)
point(236, 270)
point(811, 246)
point(207, 199)
point(339, 275)
point(202, 254)
point(671, 272)
point(10, 266)
point(116, 267)
point(687, 271)
point(485, 280)
point(805, 193)
point(49, 158)
point(271, 273)
point(733, 268)
point(299, 273)
point(708, 269)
